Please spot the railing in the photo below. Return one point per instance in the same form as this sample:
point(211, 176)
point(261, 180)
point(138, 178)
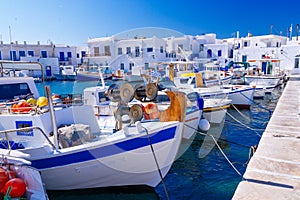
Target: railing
point(5, 132)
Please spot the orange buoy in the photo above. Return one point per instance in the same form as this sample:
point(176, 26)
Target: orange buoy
point(4, 177)
point(21, 107)
point(18, 187)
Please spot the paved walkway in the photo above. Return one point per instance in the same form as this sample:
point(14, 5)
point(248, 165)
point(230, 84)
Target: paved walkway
point(274, 170)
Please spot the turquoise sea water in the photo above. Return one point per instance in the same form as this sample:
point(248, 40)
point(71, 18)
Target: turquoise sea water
point(191, 177)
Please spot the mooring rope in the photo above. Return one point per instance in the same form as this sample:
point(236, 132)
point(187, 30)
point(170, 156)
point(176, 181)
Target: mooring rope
point(257, 104)
point(157, 165)
point(243, 115)
point(240, 126)
point(251, 148)
point(232, 165)
point(243, 124)
point(224, 140)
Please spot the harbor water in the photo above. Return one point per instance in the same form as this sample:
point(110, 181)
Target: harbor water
point(197, 174)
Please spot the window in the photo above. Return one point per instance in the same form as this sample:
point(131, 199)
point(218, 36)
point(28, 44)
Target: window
point(44, 54)
point(11, 91)
point(161, 49)
point(107, 51)
point(122, 66)
point(0, 56)
point(219, 52)
point(244, 58)
point(245, 44)
point(231, 53)
point(102, 97)
point(120, 51)
point(137, 51)
point(130, 66)
point(150, 49)
point(21, 54)
point(61, 56)
point(297, 61)
point(128, 50)
point(209, 53)
point(83, 54)
point(201, 48)
point(69, 54)
point(96, 51)
point(146, 65)
point(13, 55)
point(31, 53)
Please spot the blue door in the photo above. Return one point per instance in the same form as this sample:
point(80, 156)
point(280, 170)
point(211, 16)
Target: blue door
point(48, 71)
point(264, 67)
point(61, 56)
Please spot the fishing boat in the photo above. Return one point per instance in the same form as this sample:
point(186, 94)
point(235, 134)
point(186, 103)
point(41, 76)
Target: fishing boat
point(184, 72)
point(18, 179)
point(94, 74)
point(151, 102)
point(264, 77)
point(67, 146)
point(240, 96)
point(66, 73)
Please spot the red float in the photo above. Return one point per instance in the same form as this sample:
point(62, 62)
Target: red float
point(18, 187)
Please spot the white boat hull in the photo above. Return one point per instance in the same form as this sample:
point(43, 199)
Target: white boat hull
point(260, 81)
point(128, 162)
point(241, 97)
point(215, 116)
point(260, 92)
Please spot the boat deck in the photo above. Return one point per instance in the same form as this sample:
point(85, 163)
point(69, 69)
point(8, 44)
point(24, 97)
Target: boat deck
point(274, 170)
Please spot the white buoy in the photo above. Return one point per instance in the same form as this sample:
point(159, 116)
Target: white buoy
point(204, 125)
point(139, 126)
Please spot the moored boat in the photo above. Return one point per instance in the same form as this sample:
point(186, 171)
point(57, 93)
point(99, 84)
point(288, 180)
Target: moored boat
point(67, 146)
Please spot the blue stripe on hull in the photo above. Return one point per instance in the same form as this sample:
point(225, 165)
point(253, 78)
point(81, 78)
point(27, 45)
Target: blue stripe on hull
point(100, 152)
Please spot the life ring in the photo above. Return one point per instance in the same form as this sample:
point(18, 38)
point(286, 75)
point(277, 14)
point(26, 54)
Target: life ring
point(21, 107)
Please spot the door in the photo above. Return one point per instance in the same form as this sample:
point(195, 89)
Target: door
point(296, 66)
point(48, 71)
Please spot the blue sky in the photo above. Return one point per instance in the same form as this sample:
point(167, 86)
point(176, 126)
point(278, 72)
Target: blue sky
point(73, 21)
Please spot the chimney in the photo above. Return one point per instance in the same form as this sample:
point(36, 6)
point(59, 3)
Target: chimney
point(16, 42)
point(1, 42)
point(24, 42)
point(38, 42)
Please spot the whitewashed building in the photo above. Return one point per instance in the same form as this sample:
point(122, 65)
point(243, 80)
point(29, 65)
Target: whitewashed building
point(290, 55)
point(49, 55)
point(141, 51)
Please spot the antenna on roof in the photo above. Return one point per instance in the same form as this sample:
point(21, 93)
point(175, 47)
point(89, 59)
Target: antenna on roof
point(297, 31)
point(11, 53)
point(291, 31)
point(271, 29)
